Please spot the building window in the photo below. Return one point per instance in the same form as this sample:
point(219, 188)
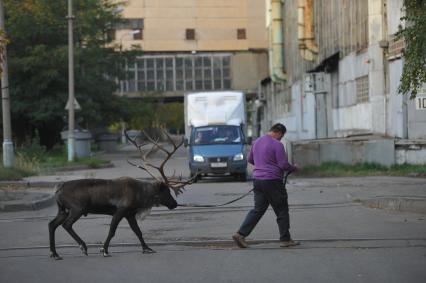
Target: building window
point(190, 34)
point(178, 73)
point(241, 33)
point(137, 34)
point(362, 89)
point(136, 23)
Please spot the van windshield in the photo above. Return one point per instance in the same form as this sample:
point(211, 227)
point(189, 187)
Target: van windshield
point(222, 134)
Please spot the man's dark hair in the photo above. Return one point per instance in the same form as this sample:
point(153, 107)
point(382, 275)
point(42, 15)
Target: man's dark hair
point(278, 128)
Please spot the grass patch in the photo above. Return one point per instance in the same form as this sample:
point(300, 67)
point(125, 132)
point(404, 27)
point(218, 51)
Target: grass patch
point(23, 167)
point(13, 174)
point(407, 169)
point(336, 169)
point(61, 162)
point(29, 164)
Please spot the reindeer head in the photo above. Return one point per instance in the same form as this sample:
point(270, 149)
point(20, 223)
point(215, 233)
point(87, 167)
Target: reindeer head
point(174, 183)
point(164, 197)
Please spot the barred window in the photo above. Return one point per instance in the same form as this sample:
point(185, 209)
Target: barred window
point(136, 23)
point(241, 33)
point(138, 34)
point(190, 34)
point(178, 73)
point(362, 89)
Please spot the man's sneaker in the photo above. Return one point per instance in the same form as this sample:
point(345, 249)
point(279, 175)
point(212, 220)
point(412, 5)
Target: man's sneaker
point(289, 243)
point(239, 240)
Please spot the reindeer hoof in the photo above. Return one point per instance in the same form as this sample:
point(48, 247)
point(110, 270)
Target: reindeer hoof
point(105, 253)
point(148, 251)
point(55, 256)
point(83, 249)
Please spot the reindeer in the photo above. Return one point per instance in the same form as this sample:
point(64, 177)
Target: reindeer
point(122, 198)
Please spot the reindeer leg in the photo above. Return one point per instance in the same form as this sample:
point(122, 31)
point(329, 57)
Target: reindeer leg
point(135, 227)
point(116, 218)
point(74, 215)
point(59, 219)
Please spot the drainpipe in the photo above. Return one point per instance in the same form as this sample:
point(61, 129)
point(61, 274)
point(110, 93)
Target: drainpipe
point(385, 64)
point(405, 116)
point(305, 32)
point(276, 42)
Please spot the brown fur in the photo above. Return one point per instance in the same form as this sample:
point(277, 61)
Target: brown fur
point(122, 198)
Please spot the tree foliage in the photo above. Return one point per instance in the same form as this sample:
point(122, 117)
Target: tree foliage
point(38, 65)
point(174, 118)
point(414, 34)
point(156, 114)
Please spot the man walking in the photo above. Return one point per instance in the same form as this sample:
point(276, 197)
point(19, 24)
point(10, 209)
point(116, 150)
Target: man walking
point(270, 161)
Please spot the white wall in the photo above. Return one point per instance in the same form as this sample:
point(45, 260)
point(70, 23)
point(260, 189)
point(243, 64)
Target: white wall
point(300, 117)
point(394, 14)
point(307, 117)
point(350, 117)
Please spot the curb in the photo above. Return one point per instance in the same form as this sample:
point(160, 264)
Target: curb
point(83, 167)
point(405, 204)
point(27, 184)
point(39, 201)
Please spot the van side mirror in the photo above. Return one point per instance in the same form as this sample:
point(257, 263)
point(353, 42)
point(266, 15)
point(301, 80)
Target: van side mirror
point(249, 140)
point(185, 142)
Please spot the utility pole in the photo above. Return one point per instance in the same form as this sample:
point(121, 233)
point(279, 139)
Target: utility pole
point(8, 154)
point(71, 118)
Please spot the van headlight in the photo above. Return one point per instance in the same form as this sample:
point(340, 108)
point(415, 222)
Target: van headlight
point(198, 158)
point(238, 157)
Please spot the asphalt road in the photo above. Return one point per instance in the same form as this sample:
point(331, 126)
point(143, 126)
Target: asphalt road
point(341, 239)
point(312, 263)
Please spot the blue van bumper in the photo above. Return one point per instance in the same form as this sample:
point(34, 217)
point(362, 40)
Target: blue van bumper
point(218, 159)
point(222, 167)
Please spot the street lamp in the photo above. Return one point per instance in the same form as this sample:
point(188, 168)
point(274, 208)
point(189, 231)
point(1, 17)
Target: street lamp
point(123, 125)
point(71, 138)
point(7, 128)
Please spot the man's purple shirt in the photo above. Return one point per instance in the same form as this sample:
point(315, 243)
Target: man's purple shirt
point(269, 159)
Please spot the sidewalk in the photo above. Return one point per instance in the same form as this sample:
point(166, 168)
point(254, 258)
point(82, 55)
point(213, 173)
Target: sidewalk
point(394, 193)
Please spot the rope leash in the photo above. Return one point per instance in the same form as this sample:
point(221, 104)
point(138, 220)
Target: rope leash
point(229, 202)
point(215, 205)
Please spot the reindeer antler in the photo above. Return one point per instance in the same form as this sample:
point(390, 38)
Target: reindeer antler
point(174, 183)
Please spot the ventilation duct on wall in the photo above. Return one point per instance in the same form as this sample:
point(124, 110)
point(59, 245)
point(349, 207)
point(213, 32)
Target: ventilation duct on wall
point(306, 36)
point(276, 42)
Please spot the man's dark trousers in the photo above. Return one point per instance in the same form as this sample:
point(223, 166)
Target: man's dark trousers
point(268, 192)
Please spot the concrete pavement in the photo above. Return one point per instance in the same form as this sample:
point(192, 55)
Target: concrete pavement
point(395, 193)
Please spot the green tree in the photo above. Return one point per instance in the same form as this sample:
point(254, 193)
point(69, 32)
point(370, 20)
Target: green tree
point(38, 60)
point(414, 34)
point(172, 116)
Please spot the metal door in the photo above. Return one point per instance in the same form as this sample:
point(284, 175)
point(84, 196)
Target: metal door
point(320, 115)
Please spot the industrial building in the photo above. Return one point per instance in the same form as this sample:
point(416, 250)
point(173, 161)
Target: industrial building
point(334, 76)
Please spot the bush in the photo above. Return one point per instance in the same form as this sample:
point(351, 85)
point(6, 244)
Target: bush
point(33, 150)
point(28, 163)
